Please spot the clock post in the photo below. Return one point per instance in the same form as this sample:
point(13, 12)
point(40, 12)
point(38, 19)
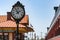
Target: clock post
point(18, 12)
point(17, 30)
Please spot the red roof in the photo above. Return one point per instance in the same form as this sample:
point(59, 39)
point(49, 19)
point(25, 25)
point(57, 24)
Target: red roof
point(4, 22)
point(10, 24)
point(4, 18)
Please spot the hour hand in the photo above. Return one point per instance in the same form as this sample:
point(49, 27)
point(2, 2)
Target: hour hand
point(17, 12)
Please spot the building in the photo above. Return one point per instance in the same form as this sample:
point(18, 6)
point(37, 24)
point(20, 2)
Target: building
point(54, 30)
point(8, 27)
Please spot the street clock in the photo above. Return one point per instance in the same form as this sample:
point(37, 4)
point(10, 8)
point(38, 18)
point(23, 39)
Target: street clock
point(18, 11)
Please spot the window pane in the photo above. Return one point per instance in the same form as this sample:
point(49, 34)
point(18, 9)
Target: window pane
point(5, 37)
point(1, 37)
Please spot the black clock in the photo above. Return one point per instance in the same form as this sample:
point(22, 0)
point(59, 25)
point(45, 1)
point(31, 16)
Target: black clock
point(18, 11)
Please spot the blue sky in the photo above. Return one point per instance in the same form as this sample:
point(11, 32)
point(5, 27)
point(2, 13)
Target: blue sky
point(40, 12)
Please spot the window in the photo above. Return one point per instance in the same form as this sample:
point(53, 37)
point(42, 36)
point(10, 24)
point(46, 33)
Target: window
point(1, 37)
point(4, 36)
point(16, 36)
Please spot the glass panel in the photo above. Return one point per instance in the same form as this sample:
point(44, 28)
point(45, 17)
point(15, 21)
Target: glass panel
point(1, 37)
point(16, 36)
point(5, 33)
point(5, 37)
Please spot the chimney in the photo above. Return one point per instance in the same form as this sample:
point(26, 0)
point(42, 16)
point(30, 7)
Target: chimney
point(8, 15)
point(47, 28)
point(55, 8)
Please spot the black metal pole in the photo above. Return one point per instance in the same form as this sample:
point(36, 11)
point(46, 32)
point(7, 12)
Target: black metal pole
point(17, 30)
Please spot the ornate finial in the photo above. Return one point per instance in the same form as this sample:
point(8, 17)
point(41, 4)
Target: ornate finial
point(18, 4)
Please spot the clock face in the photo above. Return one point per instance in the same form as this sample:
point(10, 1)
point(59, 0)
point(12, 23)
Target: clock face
point(17, 12)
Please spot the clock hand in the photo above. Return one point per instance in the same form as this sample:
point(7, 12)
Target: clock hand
point(17, 12)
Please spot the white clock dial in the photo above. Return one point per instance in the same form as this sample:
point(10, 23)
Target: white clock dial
point(17, 12)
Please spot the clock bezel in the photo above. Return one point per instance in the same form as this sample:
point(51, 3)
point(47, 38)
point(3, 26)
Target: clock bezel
point(20, 17)
point(18, 4)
